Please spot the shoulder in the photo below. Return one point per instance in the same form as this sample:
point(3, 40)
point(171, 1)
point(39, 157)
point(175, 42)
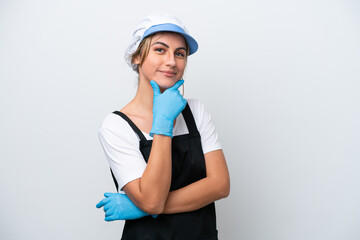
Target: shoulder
point(194, 101)
point(198, 109)
point(206, 128)
point(114, 122)
point(196, 105)
point(114, 126)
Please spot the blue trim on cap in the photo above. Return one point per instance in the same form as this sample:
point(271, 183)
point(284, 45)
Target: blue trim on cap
point(169, 27)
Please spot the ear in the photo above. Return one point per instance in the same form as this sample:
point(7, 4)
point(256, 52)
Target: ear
point(137, 59)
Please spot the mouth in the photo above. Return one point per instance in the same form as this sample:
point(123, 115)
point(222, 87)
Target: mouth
point(168, 73)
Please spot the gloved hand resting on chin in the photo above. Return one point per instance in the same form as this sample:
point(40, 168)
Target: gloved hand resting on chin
point(166, 107)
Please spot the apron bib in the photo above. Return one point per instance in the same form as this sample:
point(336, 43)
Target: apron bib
point(188, 166)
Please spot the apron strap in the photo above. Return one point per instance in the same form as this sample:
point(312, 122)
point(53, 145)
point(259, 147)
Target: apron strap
point(136, 130)
point(132, 125)
point(189, 120)
point(114, 179)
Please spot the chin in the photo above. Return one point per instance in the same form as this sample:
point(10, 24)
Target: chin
point(164, 87)
point(166, 84)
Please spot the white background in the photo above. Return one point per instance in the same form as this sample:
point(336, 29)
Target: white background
point(281, 79)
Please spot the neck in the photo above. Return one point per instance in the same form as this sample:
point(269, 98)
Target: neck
point(143, 99)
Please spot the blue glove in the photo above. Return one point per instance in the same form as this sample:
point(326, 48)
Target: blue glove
point(118, 206)
point(166, 107)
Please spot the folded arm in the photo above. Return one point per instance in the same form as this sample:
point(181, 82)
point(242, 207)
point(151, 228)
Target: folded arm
point(214, 186)
point(150, 191)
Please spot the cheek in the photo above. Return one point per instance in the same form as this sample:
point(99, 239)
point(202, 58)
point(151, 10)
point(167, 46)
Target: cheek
point(149, 66)
point(181, 68)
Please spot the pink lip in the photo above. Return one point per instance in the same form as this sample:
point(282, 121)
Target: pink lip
point(168, 73)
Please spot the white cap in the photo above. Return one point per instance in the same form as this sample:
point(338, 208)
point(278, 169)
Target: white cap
point(158, 22)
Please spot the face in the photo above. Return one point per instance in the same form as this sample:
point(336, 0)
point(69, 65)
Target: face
point(166, 60)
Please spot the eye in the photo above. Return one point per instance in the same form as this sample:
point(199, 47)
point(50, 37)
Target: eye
point(180, 54)
point(160, 50)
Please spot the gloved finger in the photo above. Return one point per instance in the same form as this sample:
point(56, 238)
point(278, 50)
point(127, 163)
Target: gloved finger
point(107, 207)
point(102, 202)
point(177, 84)
point(110, 212)
point(110, 218)
point(154, 215)
point(108, 194)
point(155, 87)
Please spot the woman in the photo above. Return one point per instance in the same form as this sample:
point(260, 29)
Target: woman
point(177, 171)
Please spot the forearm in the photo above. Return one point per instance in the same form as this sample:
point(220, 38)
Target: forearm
point(156, 180)
point(205, 191)
point(196, 195)
point(153, 187)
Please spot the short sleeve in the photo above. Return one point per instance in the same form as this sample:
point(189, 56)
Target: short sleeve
point(121, 147)
point(206, 128)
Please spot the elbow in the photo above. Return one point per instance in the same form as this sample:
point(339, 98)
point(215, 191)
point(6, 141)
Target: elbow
point(153, 208)
point(225, 192)
point(224, 188)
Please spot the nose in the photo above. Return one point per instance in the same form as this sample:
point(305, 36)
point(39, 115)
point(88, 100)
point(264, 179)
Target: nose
point(170, 59)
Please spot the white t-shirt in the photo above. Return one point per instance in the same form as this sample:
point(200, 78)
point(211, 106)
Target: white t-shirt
point(121, 143)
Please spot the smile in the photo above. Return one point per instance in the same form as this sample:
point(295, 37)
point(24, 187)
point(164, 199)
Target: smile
point(168, 73)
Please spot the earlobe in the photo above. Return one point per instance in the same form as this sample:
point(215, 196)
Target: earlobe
point(137, 60)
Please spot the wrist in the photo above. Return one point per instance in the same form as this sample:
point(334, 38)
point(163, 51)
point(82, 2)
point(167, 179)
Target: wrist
point(162, 126)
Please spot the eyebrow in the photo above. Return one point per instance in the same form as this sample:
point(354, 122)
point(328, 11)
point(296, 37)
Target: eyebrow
point(167, 46)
